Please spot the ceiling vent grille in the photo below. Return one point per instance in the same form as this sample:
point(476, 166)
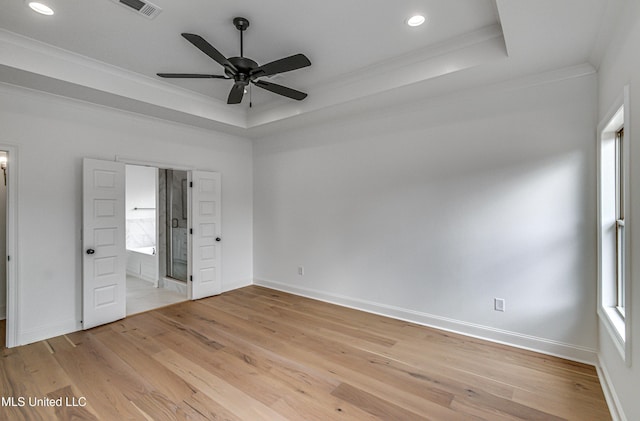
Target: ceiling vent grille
point(143, 8)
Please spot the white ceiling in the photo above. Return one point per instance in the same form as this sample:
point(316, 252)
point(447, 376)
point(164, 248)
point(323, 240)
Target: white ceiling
point(99, 51)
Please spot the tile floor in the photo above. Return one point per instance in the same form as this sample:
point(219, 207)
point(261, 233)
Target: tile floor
point(143, 296)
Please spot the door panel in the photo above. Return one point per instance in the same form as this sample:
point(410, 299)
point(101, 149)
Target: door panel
point(103, 242)
point(206, 241)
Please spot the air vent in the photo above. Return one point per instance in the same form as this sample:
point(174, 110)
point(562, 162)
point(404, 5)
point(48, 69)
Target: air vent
point(143, 8)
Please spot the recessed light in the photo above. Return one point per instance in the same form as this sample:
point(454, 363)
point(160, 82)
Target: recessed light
point(43, 9)
point(416, 20)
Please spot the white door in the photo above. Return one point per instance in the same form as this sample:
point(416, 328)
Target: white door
point(103, 242)
point(205, 238)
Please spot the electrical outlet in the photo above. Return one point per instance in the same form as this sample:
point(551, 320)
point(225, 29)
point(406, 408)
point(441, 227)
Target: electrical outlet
point(498, 304)
point(301, 270)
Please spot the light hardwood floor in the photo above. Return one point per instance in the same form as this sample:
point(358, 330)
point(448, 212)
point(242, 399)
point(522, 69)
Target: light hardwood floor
point(259, 354)
point(3, 333)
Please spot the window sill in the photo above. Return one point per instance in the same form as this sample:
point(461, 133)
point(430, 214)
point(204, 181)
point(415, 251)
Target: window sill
point(615, 325)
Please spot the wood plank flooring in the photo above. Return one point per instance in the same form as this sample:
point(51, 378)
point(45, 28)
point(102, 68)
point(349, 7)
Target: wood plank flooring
point(259, 354)
point(3, 333)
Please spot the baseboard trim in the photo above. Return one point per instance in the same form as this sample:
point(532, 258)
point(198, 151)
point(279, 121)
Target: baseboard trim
point(49, 331)
point(518, 340)
point(71, 325)
point(237, 285)
point(617, 414)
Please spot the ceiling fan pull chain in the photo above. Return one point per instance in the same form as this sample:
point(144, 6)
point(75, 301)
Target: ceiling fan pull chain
point(250, 96)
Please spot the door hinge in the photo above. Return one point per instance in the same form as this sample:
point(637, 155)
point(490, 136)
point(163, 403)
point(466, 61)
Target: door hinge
point(190, 230)
point(190, 183)
point(190, 278)
point(8, 258)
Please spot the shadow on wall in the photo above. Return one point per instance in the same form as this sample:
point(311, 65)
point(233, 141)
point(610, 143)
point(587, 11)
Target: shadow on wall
point(495, 199)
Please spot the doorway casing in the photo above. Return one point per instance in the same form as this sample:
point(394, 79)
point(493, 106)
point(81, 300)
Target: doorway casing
point(12, 319)
point(204, 236)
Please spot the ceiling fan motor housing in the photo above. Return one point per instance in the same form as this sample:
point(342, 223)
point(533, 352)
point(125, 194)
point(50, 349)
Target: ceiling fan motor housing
point(244, 66)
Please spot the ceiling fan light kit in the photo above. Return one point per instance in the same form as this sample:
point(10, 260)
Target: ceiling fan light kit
point(243, 70)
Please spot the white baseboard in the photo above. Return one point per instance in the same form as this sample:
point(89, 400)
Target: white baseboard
point(71, 325)
point(48, 331)
point(518, 340)
point(236, 285)
point(617, 414)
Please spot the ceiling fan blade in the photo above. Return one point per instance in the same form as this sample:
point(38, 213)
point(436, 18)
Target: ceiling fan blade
point(286, 64)
point(236, 94)
point(209, 50)
point(190, 76)
point(281, 90)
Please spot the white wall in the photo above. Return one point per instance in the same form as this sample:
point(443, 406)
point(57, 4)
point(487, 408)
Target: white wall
point(52, 136)
point(620, 67)
point(430, 211)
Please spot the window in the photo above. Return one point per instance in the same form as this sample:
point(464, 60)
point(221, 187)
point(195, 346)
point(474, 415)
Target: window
point(613, 224)
point(620, 240)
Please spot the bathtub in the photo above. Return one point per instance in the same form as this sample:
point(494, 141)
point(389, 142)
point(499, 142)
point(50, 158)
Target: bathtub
point(144, 250)
point(142, 262)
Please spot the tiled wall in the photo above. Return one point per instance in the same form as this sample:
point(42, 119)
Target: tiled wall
point(141, 232)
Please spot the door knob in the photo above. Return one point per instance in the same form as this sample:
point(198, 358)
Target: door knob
point(218, 239)
point(90, 251)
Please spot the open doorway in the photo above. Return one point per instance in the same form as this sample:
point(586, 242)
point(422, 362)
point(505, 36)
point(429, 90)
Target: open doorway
point(8, 255)
point(156, 237)
point(3, 247)
point(104, 220)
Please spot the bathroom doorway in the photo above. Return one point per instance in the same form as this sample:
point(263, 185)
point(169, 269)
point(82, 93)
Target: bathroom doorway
point(106, 214)
point(3, 247)
point(156, 237)
point(8, 254)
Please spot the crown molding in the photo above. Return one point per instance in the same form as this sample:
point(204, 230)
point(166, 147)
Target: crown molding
point(36, 58)
point(39, 66)
point(460, 53)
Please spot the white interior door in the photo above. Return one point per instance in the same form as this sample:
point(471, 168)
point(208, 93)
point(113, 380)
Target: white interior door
point(103, 242)
point(205, 238)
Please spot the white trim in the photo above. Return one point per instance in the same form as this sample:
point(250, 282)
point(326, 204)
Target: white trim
point(628, 308)
point(617, 328)
point(237, 285)
point(12, 310)
point(518, 340)
point(43, 332)
point(615, 407)
point(61, 67)
point(614, 325)
point(29, 60)
point(154, 164)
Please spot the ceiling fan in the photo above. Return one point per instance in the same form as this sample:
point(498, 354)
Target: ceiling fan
point(243, 70)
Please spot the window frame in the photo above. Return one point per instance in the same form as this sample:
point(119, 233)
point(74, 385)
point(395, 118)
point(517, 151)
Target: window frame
point(613, 247)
